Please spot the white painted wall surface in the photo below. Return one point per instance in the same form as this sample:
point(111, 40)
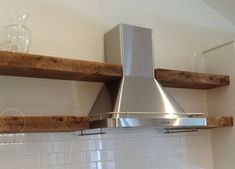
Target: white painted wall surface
point(221, 102)
point(75, 28)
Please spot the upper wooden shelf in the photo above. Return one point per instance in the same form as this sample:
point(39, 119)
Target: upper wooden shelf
point(190, 80)
point(37, 66)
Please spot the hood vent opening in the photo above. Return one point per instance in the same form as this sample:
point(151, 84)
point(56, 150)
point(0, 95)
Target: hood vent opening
point(136, 100)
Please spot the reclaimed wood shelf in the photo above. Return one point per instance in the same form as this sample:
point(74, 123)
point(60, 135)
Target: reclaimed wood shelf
point(219, 121)
point(38, 66)
point(190, 80)
point(18, 124)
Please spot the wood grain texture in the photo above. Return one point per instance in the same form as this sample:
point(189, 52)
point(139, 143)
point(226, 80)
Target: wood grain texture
point(191, 80)
point(30, 65)
point(217, 121)
point(15, 124)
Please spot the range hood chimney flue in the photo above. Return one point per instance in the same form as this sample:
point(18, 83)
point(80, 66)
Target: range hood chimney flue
point(136, 100)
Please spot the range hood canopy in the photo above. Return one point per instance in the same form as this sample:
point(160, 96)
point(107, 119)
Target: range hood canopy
point(136, 100)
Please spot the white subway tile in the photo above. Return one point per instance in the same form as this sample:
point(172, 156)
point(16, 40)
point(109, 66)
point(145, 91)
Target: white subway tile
point(100, 165)
point(197, 158)
point(62, 146)
point(84, 145)
point(99, 144)
point(32, 137)
point(195, 140)
point(179, 150)
point(75, 157)
point(129, 149)
point(173, 140)
point(20, 138)
point(27, 161)
point(110, 165)
point(78, 166)
point(7, 162)
point(144, 152)
point(91, 144)
point(138, 142)
point(109, 143)
point(167, 161)
point(165, 151)
point(47, 136)
point(63, 136)
point(198, 149)
point(157, 141)
point(92, 165)
point(111, 155)
point(133, 164)
point(8, 149)
point(96, 155)
point(46, 147)
point(7, 138)
point(182, 167)
point(124, 143)
point(32, 148)
point(52, 159)
point(58, 167)
point(120, 154)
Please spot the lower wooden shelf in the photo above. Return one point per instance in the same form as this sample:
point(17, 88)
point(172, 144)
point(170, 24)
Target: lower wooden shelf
point(18, 124)
point(13, 124)
point(219, 121)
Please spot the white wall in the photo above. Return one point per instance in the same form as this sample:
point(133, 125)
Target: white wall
point(75, 28)
point(221, 102)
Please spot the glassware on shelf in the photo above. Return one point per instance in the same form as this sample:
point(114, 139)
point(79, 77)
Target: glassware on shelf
point(16, 37)
point(2, 36)
point(198, 62)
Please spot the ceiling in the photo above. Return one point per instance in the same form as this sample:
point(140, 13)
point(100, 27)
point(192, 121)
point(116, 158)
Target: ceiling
point(226, 8)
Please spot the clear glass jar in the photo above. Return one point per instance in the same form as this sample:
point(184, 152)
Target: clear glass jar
point(16, 36)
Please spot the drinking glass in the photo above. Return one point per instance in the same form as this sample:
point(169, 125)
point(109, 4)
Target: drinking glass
point(198, 62)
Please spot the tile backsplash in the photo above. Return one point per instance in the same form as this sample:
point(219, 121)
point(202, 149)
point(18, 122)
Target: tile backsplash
point(117, 149)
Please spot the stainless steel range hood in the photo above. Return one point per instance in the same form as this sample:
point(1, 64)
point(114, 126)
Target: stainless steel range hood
point(136, 100)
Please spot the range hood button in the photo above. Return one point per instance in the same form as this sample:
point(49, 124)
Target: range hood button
point(165, 122)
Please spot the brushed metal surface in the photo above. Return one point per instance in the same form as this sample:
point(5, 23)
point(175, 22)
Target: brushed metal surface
point(137, 99)
point(130, 46)
point(139, 94)
point(137, 122)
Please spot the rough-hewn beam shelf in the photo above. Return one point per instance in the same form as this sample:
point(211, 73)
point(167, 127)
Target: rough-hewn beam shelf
point(219, 121)
point(191, 80)
point(14, 124)
point(37, 66)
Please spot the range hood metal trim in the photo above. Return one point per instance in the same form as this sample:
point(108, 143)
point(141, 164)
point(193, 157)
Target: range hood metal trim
point(138, 122)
